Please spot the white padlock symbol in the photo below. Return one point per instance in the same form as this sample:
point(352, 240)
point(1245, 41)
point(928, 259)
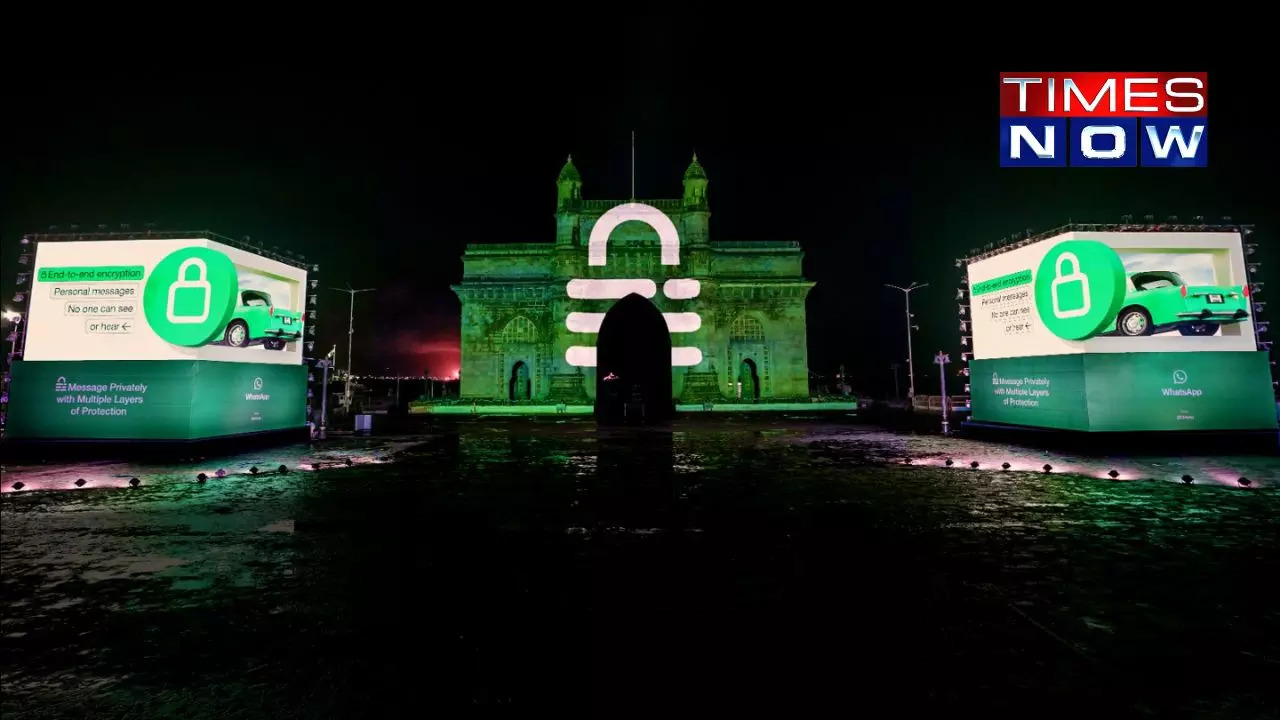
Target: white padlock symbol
point(1074, 276)
point(183, 283)
point(995, 378)
point(618, 288)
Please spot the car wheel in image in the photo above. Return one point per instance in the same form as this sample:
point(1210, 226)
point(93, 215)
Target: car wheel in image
point(237, 334)
point(1134, 322)
point(1198, 329)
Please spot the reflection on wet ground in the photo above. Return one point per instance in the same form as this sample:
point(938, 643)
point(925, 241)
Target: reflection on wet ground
point(721, 566)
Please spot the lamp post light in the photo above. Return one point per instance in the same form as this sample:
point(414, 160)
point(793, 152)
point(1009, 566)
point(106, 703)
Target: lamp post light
point(911, 373)
point(351, 333)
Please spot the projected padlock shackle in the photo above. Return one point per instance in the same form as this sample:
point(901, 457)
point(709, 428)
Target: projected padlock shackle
point(1060, 279)
point(184, 282)
point(668, 236)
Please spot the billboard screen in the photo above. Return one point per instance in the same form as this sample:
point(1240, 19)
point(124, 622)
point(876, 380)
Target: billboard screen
point(163, 299)
point(1118, 331)
point(1113, 292)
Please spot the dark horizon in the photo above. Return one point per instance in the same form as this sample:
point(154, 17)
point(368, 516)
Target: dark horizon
point(383, 183)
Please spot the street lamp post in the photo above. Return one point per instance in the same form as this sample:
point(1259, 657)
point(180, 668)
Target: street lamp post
point(325, 363)
point(942, 359)
point(397, 388)
point(351, 333)
point(911, 372)
point(14, 318)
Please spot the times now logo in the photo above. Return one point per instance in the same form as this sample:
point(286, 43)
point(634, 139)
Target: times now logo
point(1100, 119)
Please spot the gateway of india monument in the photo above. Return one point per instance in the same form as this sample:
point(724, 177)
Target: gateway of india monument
point(735, 310)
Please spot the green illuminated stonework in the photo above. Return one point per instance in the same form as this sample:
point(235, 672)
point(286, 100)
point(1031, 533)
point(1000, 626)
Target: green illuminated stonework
point(751, 303)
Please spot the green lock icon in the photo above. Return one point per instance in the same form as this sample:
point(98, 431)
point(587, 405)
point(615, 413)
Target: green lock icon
point(1079, 288)
point(190, 296)
point(1074, 284)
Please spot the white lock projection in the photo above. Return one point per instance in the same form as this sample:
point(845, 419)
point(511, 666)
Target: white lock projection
point(617, 288)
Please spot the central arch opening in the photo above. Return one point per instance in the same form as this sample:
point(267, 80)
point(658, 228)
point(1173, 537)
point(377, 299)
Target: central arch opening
point(518, 385)
point(633, 364)
point(748, 381)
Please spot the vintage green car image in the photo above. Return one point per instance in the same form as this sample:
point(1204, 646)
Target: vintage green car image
point(256, 320)
point(1160, 301)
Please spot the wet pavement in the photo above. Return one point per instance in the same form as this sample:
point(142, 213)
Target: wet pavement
point(724, 566)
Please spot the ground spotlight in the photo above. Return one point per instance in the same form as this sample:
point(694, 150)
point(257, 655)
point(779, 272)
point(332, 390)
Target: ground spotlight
point(79, 482)
point(949, 462)
point(974, 464)
point(201, 477)
point(18, 485)
point(1244, 482)
point(220, 473)
point(1113, 474)
point(1187, 479)
point(1047, 467)
point(1005, 466)
point(135, 482)
point(253, 470)
point(283, 469)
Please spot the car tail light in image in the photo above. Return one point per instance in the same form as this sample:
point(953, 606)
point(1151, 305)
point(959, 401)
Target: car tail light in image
point(1184, 291)
point(1244, 290)
point(271, 311)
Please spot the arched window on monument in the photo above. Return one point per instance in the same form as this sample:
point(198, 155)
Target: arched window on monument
point(746, 329)
point(519, 330)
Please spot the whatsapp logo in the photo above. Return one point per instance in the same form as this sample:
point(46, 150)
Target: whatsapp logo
point(1079, 288)
point(190, 295)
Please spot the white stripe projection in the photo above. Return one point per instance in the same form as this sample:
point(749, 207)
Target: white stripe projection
point(583, 356)
point(681, 288)
point(668, 238)
point(610, 289)
point(588, 322)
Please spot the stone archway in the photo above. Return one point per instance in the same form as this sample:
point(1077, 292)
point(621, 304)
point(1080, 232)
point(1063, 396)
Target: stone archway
point(633, 364)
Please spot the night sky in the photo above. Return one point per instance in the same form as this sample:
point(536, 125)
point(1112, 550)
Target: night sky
point(381, 169)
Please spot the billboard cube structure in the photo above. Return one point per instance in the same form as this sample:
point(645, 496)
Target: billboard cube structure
point(159, 337)
point(1106, 330)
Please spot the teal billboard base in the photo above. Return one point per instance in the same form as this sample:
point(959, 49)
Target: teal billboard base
point(1126, 392)
point(153, 400)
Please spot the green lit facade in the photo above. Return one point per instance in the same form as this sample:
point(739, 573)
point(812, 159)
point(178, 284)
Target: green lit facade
point(752, 335)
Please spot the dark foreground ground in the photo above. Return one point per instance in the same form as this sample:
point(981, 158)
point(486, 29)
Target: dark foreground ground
point(717, 569)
